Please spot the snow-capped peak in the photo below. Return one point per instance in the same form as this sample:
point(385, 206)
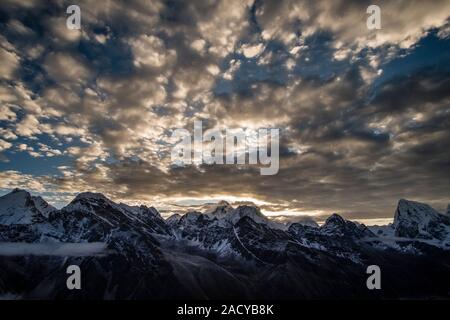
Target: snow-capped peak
point(419, 220)
point(173, 219)
point(412, 211)
point(220, 210)
point(338, 226)
point(19, 207)
point(86, 200)
point(191, 216)
point(335, 220)
point(246, 211)
point(333, 225)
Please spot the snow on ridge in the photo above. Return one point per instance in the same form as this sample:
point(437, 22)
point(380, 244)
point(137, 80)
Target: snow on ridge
point(19, 207)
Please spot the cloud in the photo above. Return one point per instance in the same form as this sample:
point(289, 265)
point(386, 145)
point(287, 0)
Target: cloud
point(60, 33)
point(7, 134)
point(29, 126)
point(65, 68)
point(53, 249)
point(355, 137)
point(150, 51)
point(10, 61)
point(403, 22)
point(11, 179)
point(251, 51)
point(6, 114)
point(4, 145)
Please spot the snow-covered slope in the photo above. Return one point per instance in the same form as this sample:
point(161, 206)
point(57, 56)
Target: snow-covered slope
point(98, 208)
point(418, 220)
point(19, 207)
point(227, 214)
point(383, 231)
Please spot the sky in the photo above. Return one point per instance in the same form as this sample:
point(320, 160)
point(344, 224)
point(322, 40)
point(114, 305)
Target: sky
point(364, 115)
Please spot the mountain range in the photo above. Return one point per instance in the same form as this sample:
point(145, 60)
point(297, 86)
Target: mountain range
point(131, 252)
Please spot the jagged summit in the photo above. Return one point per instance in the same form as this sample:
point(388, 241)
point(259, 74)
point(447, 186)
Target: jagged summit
point(335, 219)
point(19, 207)
point(419, 220)
point(408, 210)
point(173, 219)
point(412, 219)
point(338, 226)
point(226, 213)
point(219, 210)
point(247, 211)
point(86, 201)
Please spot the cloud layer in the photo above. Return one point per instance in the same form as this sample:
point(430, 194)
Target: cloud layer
point(364, 113)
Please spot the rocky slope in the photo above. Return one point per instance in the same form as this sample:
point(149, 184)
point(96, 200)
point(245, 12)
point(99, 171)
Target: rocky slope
point(417, 220)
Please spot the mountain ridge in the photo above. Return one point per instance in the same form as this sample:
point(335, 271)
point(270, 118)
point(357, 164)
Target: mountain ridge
point(238, 250)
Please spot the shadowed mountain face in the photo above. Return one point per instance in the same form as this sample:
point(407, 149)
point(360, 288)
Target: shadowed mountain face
point(127, 252)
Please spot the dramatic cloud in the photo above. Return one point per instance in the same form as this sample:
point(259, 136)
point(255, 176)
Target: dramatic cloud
point(364, 114)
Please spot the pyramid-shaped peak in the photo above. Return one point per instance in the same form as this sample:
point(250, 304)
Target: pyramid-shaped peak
point(219, 210)
point(18, 190)
point(19, 207)
point(16, 196)
point(335, 219)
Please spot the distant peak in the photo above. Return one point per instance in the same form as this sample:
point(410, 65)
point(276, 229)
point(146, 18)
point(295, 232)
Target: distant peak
point(335, 219)
point(408, 207)
point(338, 226)
point(419, 220)
point(91, 195)
point(248, 207)
point(17, 194)
point(407, 202)
point(18, 190)
point(174, 216)
point(245, 210)
point(220, 209)
point(19, 207)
